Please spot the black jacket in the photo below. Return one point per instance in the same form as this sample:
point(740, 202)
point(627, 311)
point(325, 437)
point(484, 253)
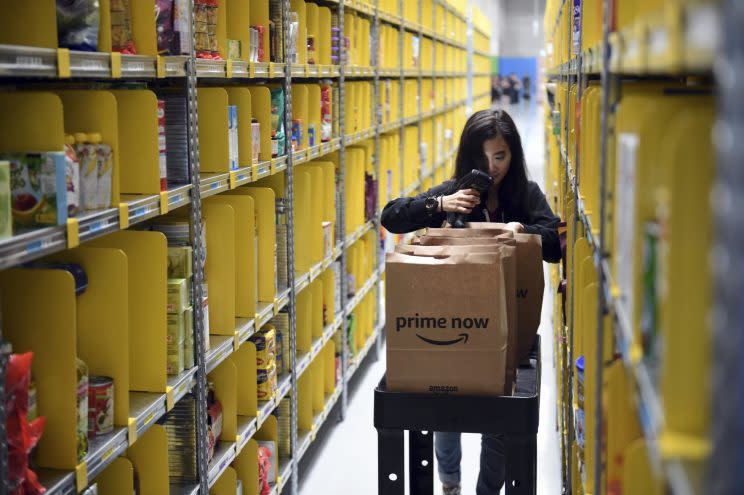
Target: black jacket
point(404, 215)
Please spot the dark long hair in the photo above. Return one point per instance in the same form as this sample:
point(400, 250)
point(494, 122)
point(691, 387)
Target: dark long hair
point(488, 124)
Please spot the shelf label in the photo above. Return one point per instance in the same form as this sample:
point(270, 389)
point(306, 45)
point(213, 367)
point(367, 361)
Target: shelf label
point(34, 247)
point(29, 62)
point(135, 66)
point(63, 63)
point(93, 64)
point(214, 185)
point(140, 212)
point(95, 226)
point(107, 455)
point(148, 419)
point(176, 198)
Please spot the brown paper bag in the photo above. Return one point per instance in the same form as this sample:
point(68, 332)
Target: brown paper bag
point(530, 275)
point(446, 324)
point(507, 252)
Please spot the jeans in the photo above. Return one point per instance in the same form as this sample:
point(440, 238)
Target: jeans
point(449, 452)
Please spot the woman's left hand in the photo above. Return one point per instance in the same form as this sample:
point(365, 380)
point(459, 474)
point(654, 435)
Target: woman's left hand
point(515, 226)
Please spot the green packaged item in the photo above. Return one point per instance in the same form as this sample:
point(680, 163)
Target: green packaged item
point(6, 217)
point(180, 262)
point(178, 295)
point(233, 49)
point(175, 363)
point(277, 119)
point(176, 328)
point(82, 409)
point(38, 185)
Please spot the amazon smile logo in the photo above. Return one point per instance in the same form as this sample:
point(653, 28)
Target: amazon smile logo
point(418, 322)
point(463, 337)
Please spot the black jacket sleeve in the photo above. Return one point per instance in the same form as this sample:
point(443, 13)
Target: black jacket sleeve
point(404, 215)
point(543, 222)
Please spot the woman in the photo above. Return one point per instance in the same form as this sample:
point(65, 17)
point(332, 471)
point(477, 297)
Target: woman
point(489, 142)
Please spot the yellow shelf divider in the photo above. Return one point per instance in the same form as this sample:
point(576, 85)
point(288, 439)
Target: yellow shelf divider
point(104, 305)
point(220, 266)
point(245, 467)
point(117, 478)
point(261, 110)
point(225, 379)
point(265, 208)
point(149, 456)
point(226, 484)
point(213, 129)
point(49, 331)
point(241, 97)
point(247, 389)
point(147, 258)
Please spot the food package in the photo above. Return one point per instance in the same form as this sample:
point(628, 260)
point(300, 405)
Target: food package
point(164, 17)
point(77, 24)
point(178, 295)
point(278, 138)
point(232, 136)
point(82, 409)
point(122, 39)
point(326, 113)
point(175, 362)
point(176, 329)
point(38, 184)
point(234, 49)
point(72, 177)
point(180, 261)
point(86, 153)
point(255, 140)
point(105, 160)
point(265, 342)
point(266, 381)
point(6, 216)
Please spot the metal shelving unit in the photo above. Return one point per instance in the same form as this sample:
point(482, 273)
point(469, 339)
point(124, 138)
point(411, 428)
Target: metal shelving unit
point(607, 62)
point(18, 64)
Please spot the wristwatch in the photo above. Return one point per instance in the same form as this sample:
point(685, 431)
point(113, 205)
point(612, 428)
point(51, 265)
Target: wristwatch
point(431, 203)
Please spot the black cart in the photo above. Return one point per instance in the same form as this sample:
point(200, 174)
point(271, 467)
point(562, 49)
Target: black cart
point(516, 417)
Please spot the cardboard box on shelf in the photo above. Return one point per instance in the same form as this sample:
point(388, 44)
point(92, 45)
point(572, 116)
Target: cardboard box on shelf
point(446, 324)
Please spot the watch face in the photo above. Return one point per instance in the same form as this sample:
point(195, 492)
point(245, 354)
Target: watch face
point(431, 203)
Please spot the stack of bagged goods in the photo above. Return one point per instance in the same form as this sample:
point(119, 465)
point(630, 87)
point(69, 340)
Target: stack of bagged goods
point(176, 139)
point(180, 294)
point(283, 418)
point(468, 298)
point(265, 342)
point(282, 276)
point(214, 421)
point(280, 322)
point(180, 427)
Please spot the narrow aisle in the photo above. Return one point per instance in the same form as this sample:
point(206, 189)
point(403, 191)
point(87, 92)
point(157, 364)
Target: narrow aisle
point(344, 459)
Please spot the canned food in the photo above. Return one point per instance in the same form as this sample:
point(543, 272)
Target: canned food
point(100, 405)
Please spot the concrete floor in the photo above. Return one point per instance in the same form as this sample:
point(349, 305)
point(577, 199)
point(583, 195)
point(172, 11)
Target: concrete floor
point(343, 460)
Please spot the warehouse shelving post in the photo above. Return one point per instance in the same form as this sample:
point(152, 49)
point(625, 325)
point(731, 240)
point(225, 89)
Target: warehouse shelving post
point(727, 264)
point(341, 209)
point(376, 166)
point(402, 97)
point(197, 258)
point(602, 308)
point(469, 65)
point(568, 187)
point(289, 211)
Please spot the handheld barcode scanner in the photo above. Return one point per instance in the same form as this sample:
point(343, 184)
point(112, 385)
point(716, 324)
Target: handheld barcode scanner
point(475, 179)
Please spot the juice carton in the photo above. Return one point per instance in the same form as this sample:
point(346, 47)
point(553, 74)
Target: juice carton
point(232, 136)
point(86, 153)
point(38, 184)
point(6, 217)
point(105, 165)
point(72, 175)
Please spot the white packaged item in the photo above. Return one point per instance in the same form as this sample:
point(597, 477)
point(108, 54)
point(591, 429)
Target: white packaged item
point(88, 170)
point(105, 167)
point(232, 136)
point(255, 140)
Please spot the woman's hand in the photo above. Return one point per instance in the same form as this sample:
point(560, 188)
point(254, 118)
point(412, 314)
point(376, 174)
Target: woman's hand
point(515, 226)
point(462, 201)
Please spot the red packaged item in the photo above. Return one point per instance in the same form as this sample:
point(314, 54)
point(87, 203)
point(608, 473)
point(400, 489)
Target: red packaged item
point(22, 434)
point(326, 113)
point(264, 466)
